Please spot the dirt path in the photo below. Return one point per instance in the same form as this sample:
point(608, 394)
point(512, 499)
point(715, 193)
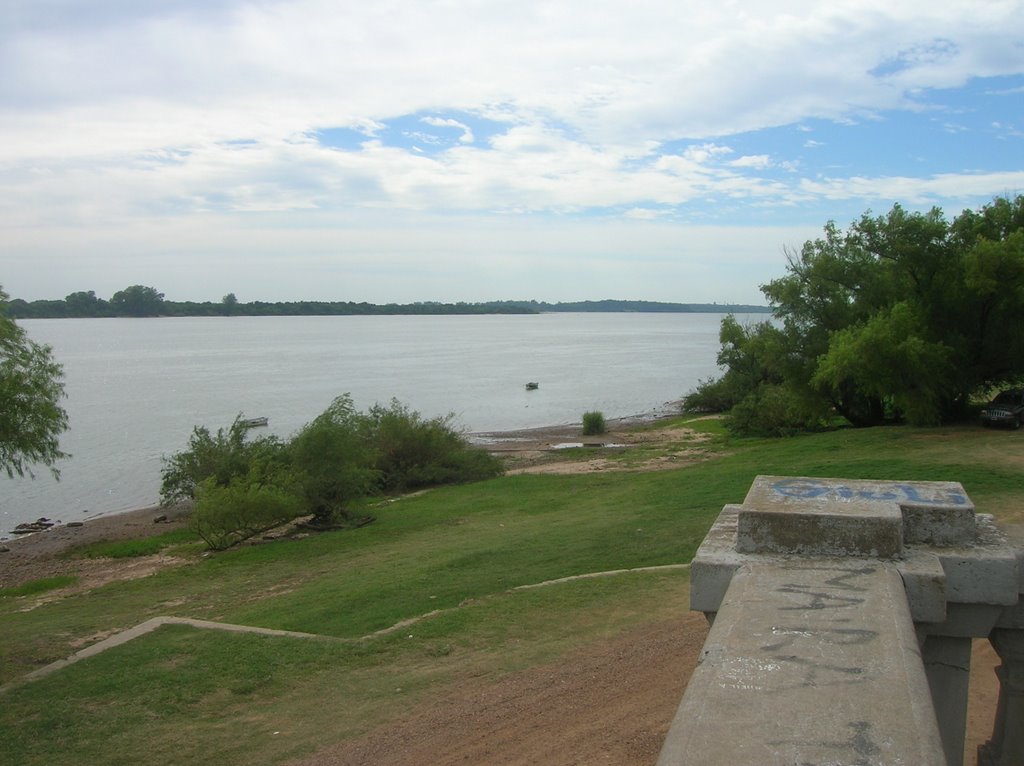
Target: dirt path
point(610, 702)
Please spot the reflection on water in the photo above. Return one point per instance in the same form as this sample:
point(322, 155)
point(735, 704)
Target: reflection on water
point(136, 387)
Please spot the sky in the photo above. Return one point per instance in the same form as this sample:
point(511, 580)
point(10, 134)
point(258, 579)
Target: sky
point(475, 150)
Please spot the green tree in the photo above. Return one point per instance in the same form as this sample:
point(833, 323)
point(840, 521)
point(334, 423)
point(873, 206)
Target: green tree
point(221, 458)
point(226, 515)
point(409, 451)
point(31, 389)
point(902, 317)
point(83, 304)
point(332, 464)
point(888, 359)
point(137, 301)
point(229, 303)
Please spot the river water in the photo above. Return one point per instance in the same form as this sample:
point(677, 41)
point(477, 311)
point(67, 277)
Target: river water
point(136, 387)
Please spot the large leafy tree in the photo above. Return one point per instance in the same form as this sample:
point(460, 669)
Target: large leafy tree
point(31, 390)
point(900, 317)
point(83, 304)
point(137, 301)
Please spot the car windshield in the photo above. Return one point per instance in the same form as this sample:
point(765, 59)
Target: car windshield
point(1008, 397)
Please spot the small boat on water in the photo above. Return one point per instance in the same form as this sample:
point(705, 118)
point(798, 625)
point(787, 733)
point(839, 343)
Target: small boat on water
point(532, 386)
point(254, 422)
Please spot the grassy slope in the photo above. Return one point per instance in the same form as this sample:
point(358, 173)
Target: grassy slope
point(180, 694)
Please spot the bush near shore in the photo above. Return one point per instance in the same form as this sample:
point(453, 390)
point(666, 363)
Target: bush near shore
point(243, 487)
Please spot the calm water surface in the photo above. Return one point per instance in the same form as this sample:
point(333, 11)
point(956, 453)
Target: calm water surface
point(136, 387)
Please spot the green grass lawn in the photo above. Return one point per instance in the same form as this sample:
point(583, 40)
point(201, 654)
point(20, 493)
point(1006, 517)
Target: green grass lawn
point(182, 695)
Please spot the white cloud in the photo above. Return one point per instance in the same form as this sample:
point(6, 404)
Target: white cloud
point(438, 122)
point(615, 73)
point(642, 214)
point(145, 116)
point(755, 161)
point(918, 191)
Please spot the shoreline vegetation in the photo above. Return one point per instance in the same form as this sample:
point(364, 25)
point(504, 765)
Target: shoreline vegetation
point(522, 450)
point(562, 583)
point(140, 301)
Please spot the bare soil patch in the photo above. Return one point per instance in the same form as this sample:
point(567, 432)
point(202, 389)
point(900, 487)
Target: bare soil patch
point(623, 447)
point(41, 554)
point(610, 702)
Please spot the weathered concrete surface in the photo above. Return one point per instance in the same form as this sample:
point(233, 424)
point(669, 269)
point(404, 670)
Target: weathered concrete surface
point(961, 578)
point(716, 562)
point(808, 516)
point(925, 582)
point(809, 662)
point(984, 570)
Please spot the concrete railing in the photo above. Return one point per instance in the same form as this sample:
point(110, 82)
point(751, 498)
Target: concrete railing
point(842, 617)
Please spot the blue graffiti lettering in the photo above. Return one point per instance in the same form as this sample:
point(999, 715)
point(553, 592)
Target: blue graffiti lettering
point(814, 488)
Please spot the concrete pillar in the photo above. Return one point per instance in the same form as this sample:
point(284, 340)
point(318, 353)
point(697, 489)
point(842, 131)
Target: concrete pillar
point(1006, 748)
point(947, 663)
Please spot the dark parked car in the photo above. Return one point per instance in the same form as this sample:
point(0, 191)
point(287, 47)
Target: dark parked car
point(1007, 409)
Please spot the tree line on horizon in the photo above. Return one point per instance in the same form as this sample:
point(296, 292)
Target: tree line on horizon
point(147, 301)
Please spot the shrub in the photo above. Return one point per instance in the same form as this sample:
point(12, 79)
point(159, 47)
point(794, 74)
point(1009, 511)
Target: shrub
point(332, 463)
point(410, 452)
point(241, 488)
point(222, 457)
point(711, 396)
point(227, 515)
point(771, 410)
point(594, 423)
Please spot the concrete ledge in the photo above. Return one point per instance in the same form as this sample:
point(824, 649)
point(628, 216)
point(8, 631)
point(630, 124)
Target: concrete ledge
point(809, 662)
point(936, 523)
point(820, 517)
point(925, 582)
point(715, 562)
point(847, 517)
point(985, 572)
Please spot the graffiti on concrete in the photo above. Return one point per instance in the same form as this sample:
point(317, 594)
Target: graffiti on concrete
point(897, 492)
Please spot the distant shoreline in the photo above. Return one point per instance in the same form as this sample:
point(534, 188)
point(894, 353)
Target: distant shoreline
point(97, 308)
